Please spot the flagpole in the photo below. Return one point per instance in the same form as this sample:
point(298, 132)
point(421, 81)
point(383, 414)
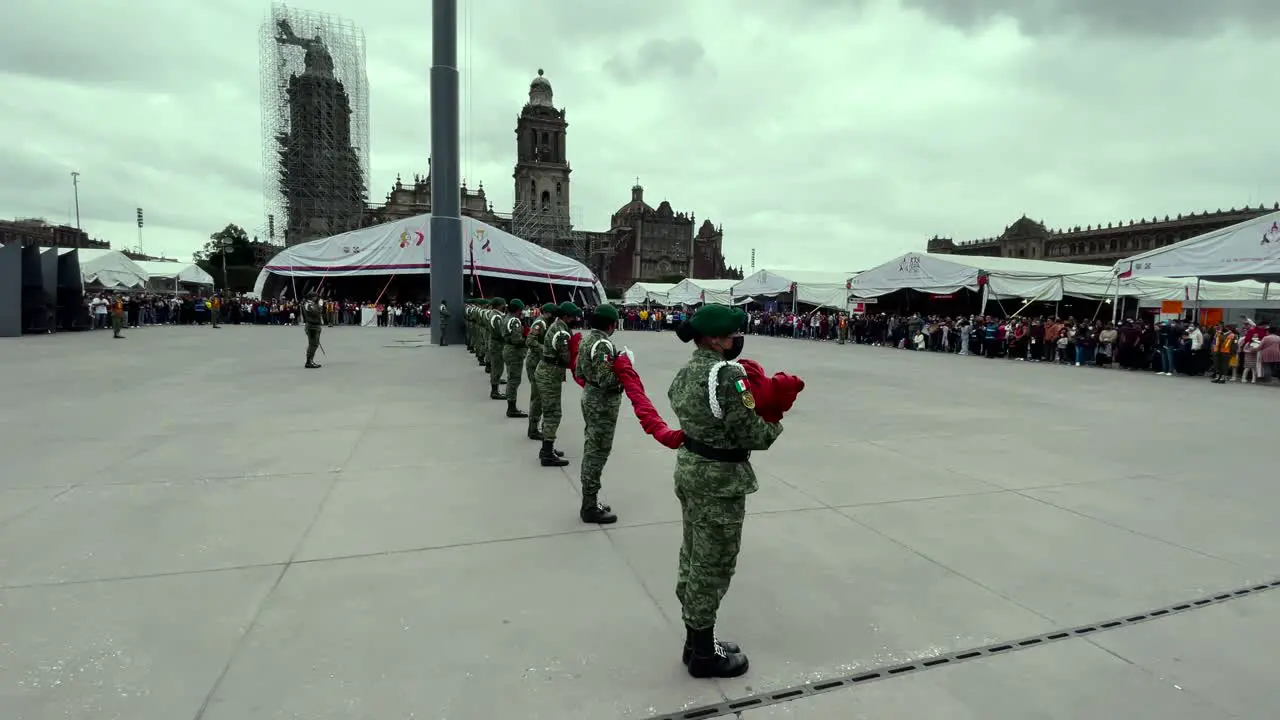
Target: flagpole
point(446, 199)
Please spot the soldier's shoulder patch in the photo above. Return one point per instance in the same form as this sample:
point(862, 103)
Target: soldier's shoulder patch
point(748, 400)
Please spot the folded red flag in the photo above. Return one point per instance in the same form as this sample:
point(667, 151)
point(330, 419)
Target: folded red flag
point(574, 341)
point(650, 421)
point(773, 395)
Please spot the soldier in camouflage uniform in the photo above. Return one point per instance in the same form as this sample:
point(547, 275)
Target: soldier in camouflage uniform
point(313, 319)
point(601, 398)
point(713, 477)
point(533, 344)
point(466, 324)
point(513, 350)
point(442, 317)
point(555, 360)
point(493, 354)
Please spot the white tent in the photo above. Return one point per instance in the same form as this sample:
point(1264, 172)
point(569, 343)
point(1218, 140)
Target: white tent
point(167, 273)
point(404, 248)
point(695, 292)
point(1018, 278)
point(110, 269)
point(825, 288)
point(646, 292)
point(1246, 251)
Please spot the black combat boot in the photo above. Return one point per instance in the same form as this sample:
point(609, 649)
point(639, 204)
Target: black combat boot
point(480, 361)
point(595, 513)
point(494, 394)
point(549, 456)
point(513, 411)
point(311, 365)
point(533, 431)
point(710, 659)
point(730, 648)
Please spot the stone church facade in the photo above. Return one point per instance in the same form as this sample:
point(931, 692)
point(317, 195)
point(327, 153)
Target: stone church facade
point(642, 243)
point(1095, 245)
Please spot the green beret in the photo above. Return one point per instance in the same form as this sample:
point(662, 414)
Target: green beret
point(607, 312)
point(497, 302)
point(550, 308)
point(568, 308)
point(717, 320)
point(516, 304)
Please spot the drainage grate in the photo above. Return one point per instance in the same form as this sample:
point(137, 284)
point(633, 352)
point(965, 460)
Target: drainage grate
point(765, 699)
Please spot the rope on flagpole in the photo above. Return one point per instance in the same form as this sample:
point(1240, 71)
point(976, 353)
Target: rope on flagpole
point(384, 289)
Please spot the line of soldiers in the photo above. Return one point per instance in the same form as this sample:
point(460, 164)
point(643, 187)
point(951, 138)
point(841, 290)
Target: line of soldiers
point(717, 415)
point(496, 334)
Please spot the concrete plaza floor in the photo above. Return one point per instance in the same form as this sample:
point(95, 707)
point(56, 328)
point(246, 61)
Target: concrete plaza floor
point(193, 527)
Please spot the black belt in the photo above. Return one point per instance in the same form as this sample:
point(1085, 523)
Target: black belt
point(735, 455)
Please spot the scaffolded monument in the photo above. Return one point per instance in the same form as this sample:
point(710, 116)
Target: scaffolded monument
point(315, 124)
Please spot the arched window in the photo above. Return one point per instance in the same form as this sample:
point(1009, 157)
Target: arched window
point(557, 191)
point(546, 200)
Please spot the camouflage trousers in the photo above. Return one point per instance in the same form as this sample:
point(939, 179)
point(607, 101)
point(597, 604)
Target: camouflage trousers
point(708, 553)
point(599, 420)
point(550, 380)
point(535, 400)
point(513, 358)
point(313, 342)
point(493, 356)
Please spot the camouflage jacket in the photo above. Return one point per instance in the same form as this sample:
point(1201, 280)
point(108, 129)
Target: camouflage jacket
point(555, 349)
point(493, 327)
point(311, 314)
point(534, 339)
point(595, 362)
point(710, 398)
point(512, 330)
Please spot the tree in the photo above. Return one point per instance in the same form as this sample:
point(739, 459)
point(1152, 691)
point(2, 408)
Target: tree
point(228, 256)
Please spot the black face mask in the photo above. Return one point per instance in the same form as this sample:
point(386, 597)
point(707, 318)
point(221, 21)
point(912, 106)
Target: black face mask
point(735, 349)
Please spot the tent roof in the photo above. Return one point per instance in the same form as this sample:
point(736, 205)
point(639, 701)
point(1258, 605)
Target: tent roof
point(1028, 279)
point(403, 247)
point(1247, 250)
point(1019, 266)
point(109, 268)
point(693, 291)
point(643, 292)
point(183, 272)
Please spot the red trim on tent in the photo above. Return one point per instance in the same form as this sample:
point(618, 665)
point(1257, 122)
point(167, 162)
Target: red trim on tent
point(424, 266)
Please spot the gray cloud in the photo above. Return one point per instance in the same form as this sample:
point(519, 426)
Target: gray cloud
point(1178, 18)
point(658, 59)
point(852, 141)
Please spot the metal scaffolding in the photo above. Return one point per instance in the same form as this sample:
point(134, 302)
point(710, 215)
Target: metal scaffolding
point(315, 123)
point(551, 228)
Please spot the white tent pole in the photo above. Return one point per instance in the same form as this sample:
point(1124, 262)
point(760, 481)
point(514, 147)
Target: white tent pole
point(1266, 289)
point(1197, 315)
point(1115, 304)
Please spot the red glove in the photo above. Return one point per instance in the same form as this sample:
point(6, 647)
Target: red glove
point(646, 413)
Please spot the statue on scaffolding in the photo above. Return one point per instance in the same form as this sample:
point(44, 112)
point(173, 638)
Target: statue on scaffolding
point(317, 60)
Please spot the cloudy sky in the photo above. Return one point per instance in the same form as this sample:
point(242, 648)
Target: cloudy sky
point(821, 133)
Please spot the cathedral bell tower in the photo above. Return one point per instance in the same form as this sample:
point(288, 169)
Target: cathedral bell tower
point(542, 209)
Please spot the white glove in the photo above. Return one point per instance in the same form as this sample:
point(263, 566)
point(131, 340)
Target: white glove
point(630, 355)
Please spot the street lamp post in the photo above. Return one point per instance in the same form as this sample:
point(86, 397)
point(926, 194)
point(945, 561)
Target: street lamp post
point(75, 188)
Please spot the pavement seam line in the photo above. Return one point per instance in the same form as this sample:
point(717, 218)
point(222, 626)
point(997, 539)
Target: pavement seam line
point(266, 598)
point(787, 694)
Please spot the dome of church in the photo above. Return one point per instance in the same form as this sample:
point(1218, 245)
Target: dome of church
point(540, 91)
